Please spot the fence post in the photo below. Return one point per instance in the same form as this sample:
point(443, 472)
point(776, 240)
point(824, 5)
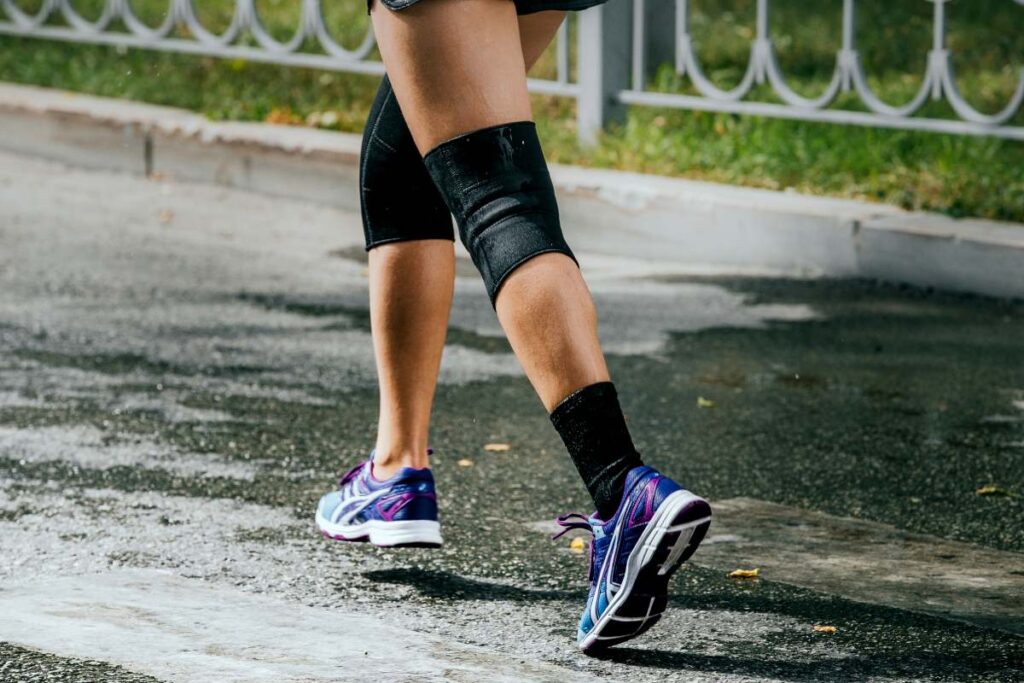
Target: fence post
point(603, 66)
point(659, 34)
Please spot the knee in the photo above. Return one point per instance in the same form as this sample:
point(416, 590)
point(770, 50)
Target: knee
point(496, 182)
point(397, 197)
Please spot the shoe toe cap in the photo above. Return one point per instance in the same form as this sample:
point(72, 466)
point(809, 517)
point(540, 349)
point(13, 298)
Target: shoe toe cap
point(328, 503)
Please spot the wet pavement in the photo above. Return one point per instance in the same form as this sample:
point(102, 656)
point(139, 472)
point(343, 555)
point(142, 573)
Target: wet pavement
point(185, 369)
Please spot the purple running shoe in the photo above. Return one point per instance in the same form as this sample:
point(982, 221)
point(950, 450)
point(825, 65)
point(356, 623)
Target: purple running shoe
point(657, 526)
point(399, 511)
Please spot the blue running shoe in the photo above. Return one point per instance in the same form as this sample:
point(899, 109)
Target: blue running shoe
point(657, 526)
point(400, 511)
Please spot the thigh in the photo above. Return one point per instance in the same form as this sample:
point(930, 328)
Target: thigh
point(536, 31)
point(455, 65)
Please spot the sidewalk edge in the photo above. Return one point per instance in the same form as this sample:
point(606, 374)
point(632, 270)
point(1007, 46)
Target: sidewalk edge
point(696, 224)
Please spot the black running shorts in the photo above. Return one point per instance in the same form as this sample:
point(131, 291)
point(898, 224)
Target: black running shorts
point(522, 6)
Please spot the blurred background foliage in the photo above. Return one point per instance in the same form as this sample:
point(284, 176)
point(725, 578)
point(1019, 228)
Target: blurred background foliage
point(958, 175)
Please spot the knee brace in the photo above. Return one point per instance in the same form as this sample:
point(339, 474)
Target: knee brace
point(397, 196)
point(495, 181)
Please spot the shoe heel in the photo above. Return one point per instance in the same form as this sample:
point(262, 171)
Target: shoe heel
point(678, 536)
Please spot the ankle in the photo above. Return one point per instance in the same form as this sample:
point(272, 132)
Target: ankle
point(593, 428)
point(387, 462)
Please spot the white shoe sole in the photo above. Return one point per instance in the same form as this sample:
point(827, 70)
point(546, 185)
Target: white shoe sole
point(385, 534)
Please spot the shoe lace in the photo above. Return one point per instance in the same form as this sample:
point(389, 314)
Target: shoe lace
point(575, 520)
point(350, 475)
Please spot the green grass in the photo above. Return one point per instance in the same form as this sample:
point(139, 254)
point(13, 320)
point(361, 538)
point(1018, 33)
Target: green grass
point(958, 175)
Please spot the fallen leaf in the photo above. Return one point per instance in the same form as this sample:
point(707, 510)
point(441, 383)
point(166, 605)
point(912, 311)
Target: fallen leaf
point(821, 628)
point(577, 545)
point(744, 573)
point(992, 490)
point(166, 216)
point(497, 447)
point(465, 462)
point(283, 116)
point(705, 402)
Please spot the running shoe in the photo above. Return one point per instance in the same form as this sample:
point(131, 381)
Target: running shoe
point(399, 511)
point(657, 526)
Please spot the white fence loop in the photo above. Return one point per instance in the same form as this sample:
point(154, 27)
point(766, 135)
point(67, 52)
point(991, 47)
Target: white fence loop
point(612, 61)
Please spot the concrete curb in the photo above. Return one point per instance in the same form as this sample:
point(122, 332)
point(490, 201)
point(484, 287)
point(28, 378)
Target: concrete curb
point(703, 226)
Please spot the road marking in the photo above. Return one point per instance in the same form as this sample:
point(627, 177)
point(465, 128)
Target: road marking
point(88, 447)
point(178, 629)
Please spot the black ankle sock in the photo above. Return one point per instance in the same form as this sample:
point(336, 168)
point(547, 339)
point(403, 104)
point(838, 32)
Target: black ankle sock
point(591, 423)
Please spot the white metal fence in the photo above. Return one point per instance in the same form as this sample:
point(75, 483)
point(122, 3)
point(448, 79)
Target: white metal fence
point(615, 47)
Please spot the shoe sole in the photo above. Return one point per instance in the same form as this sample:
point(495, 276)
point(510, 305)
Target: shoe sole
point(401, 534)
point(671, 537)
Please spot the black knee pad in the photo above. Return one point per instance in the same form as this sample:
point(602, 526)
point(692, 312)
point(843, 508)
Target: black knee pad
point(397, 196)
point(495, 181)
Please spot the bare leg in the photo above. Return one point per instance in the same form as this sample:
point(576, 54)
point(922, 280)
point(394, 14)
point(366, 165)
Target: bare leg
point(548, 315)
point(411, 286)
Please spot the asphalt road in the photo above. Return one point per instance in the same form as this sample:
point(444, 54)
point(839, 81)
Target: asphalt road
point(184, 370)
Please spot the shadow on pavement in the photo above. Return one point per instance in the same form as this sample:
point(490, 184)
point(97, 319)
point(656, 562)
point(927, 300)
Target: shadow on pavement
point(874, 642)
point(438, 584)
point(920, 665)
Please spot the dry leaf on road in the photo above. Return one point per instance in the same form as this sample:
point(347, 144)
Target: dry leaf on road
point(744, 573)
point(465, 462)
point(577, 545)
point(821, 628)
point(992, 490)
point(497, 447)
